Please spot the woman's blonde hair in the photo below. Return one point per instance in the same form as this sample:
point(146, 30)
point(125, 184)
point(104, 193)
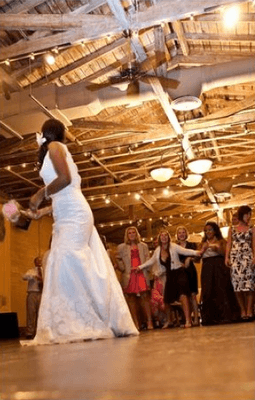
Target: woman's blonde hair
point(181, 227)
point(126, 238)
point(163, 231)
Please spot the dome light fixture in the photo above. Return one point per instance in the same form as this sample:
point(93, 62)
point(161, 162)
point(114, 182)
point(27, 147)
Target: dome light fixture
point(162, 174)
point(199, 165)
point(191, 180)
point(186, 103)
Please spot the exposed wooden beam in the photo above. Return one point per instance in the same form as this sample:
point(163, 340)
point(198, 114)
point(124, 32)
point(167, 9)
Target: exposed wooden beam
point(23, 7)
point(201, 125)
point(53, 22)
point(177, 25)
point(96, 28)
point(82, 61)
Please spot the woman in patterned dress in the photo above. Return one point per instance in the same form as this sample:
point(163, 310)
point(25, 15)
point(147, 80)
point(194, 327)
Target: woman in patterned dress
point(136, 286)
point(240, 257)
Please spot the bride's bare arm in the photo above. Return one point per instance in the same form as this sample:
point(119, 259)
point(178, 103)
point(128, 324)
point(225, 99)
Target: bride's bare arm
point(38, 213)
point(58, 157)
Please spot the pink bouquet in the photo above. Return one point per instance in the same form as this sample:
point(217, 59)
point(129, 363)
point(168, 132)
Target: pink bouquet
point(11, 211)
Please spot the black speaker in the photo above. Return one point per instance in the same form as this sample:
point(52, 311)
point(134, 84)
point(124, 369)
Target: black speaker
point(9, 327)
point(23, 223)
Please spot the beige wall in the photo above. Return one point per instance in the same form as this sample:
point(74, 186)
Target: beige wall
point(5, 268)
point(17, 253)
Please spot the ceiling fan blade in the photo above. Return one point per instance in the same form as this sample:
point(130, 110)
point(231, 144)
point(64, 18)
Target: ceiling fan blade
point(118, 79)
point(97, 86)
point(153, 62)
point(251, 187)
point(166, 82)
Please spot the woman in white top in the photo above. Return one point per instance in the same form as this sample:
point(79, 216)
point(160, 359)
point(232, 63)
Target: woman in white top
point(177, 286)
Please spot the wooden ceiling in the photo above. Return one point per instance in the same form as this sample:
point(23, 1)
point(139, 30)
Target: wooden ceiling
point(117, 137)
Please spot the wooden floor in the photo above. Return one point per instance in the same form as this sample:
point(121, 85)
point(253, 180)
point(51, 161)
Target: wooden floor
point(206, 363)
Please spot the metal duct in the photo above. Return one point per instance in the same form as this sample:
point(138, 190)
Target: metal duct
point(194, 81)
point(75, 101)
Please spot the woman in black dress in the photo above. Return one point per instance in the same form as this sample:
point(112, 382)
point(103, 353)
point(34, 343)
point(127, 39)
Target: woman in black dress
point(217, 296)
point(187, 261)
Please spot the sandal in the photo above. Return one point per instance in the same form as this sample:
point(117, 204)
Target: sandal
point(168, 325)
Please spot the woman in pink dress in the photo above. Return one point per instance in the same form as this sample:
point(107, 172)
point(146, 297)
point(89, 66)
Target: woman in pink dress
point(136, 286)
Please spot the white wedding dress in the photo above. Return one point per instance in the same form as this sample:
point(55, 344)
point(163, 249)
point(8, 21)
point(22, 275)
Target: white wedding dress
point(82, 298)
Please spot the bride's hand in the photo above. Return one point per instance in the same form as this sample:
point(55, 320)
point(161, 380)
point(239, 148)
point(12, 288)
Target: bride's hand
point(31, 214)
point(36, 199)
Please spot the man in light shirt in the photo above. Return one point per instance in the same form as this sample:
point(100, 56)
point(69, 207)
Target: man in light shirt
point(34, 292)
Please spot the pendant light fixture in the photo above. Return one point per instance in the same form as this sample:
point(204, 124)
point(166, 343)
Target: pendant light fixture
point(191, 180)
point(199, 165)
point(161, 174)
point(187, 179)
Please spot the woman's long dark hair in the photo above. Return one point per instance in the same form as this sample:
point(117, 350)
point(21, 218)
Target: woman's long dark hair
point(242, 210)
point(53, 130)
point(216, 229)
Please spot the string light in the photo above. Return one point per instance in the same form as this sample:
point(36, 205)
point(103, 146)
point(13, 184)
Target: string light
point(49, 58)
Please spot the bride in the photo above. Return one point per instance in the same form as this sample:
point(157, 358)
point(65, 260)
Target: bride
point(82, 298)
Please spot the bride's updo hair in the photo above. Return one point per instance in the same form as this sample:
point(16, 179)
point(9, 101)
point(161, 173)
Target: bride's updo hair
point(53, 130)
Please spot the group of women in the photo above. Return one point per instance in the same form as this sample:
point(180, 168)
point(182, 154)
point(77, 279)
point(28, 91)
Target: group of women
point(227, 274)
point(82, 298)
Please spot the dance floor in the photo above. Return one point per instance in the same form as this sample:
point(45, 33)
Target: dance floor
point(206, 363)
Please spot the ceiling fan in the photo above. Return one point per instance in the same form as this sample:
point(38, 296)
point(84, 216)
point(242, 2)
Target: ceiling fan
point(132, 75)
point(136, 71)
